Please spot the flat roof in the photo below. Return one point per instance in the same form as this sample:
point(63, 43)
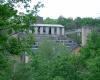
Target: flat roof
point(48, 25)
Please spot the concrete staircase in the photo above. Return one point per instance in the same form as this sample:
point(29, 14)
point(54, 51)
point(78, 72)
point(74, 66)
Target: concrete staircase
point(56, 38)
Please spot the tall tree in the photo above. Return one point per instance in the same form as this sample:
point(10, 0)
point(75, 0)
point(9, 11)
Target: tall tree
point(11, 25)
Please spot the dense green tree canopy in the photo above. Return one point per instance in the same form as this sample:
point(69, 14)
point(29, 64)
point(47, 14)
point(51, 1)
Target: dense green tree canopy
point(51, 61)
point(50, 21)
point(64, 65)
point(70, 23)
point(11, 42)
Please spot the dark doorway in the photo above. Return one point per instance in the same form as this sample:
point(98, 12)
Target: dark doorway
point(38, 30)
point(49, 30)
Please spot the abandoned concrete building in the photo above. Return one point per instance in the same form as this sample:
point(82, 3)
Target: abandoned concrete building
point(48, 29)
point(52, 32)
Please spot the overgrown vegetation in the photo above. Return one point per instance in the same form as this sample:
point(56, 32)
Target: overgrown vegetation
point(70, 23)
point(61, 64)
point(15, 38)
point(51, 61)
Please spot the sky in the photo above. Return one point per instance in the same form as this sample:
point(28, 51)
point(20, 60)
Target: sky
point(69, 8)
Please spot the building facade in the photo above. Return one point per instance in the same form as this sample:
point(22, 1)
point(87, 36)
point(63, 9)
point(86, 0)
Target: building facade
point(52, 32)
point(48, 29)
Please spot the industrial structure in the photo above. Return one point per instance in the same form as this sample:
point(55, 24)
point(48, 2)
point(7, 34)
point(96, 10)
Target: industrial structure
point(52, 32)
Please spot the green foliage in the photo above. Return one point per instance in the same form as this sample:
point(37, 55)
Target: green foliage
point(88, 22)
point(78, 22)
point(6, 11)
point(5, 66)
point(12, 24)
point(51, 62)
point(93, 46)
point(50, 21)
point(11, 42)
point(20, 44)
point(90, 54)
point(76, 37)
point(23, 72)
point(36, 8)
point(54, 62)
point(70, 23)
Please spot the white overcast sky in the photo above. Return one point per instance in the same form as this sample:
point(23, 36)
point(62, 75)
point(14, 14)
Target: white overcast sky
point(69, 8)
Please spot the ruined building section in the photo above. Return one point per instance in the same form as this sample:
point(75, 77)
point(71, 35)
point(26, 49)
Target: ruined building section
point(86, 30)
point(39, 20)
point(53, 32)
point(48, 29)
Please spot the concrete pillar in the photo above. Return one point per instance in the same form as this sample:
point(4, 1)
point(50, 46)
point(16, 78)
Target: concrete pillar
point(63, 31)
point(47, 30)
point(58, 31)
point(41, 30)
point(85, 32)
point(36, 30)
point(30, 31)
point(52, 30)
point(24, 58)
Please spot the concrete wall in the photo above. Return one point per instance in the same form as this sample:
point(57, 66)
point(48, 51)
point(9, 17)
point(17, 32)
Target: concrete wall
point(41, 30)
point(85, 32)
point(63, 31)
point(47, 30)
point(39, 20)
point(59, 31)
point(52, 30)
